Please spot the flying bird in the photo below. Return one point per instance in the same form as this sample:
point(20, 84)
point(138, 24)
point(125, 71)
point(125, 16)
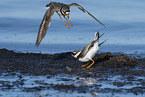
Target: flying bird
point(89, 51)
point(62, 10)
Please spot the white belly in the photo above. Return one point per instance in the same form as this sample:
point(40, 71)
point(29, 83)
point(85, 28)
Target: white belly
point(89, 55)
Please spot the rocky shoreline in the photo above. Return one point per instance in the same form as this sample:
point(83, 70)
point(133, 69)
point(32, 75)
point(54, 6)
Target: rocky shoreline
point(37, 63)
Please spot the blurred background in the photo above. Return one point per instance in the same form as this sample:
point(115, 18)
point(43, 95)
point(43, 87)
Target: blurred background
point(125, 21)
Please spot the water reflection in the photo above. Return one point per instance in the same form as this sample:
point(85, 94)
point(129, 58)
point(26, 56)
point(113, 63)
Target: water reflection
point(86, 81)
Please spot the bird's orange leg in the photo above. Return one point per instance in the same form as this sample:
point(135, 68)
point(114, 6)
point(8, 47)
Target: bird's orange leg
point(85, 64)
point(68, 21)
point(64, 22)
point(91, 64)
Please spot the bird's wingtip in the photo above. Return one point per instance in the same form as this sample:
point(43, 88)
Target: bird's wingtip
point(37, 44)
point(102, 42)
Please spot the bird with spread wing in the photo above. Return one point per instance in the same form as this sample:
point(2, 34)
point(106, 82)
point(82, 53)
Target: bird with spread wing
point(89, 51)
point(62, 10)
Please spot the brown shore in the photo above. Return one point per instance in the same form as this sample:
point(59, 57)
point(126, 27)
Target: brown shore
point(36, 63)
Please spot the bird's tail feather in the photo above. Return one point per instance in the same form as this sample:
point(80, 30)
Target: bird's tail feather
point(97, 36)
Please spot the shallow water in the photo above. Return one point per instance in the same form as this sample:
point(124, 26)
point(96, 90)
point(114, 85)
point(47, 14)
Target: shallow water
point(19, 24)
point(125, 20)
point(16, 84)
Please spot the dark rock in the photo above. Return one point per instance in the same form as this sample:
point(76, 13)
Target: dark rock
point(34, 63)
point(109, 60)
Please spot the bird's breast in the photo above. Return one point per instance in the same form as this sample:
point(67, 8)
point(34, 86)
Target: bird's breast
point(90, 54)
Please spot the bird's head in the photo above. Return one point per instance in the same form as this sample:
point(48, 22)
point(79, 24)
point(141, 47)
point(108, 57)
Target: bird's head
point(75, 54)
point(94, 45)
point(65, 11)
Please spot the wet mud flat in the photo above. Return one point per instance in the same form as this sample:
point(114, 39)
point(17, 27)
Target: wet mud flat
point(45, 75)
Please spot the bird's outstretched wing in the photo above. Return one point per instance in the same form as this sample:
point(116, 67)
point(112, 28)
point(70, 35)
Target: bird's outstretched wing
point(81, 8)
point(44, 25)
point(102, 42)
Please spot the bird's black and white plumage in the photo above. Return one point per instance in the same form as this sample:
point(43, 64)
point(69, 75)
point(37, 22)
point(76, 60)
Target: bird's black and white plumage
point(62, 10)
point(89, 51)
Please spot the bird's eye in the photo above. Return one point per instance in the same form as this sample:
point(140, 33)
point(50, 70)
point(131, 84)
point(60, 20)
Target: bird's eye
point(92, 45)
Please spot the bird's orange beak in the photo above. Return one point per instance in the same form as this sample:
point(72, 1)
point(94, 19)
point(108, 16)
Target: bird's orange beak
point(67, 16)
